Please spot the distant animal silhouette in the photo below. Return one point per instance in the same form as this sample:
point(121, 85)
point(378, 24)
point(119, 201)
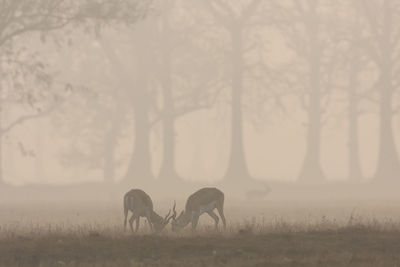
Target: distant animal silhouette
point(202, 201)
point(141, 205)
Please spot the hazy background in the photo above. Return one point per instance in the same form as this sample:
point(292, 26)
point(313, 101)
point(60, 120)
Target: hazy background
point(264, 97)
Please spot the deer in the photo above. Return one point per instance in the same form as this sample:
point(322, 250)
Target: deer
point(202, 201)
point(141, 205)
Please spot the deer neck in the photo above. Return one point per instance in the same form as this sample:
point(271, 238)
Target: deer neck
point(155, 218)
point(186, 217)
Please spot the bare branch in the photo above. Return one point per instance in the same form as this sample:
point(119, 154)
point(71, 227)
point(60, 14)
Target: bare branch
point(25, 118)
point(191, 107)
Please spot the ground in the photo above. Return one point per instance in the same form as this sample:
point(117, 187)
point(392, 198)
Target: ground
point(331, 228)
point(349, 246)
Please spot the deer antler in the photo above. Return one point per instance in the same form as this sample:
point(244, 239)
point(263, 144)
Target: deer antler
point(174, 211)
point(166, 216)
point(167, 219)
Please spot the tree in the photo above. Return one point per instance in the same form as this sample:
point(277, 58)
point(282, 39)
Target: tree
point(25, 89)
point(236, 25)
point(356, 63)
point(166, 67)
point(21, 17)
point(306, 25)
point(134, 88)
point(92, 123)
point(354, 98)
point(383, 46)
point(188, 82)
point(92, 118)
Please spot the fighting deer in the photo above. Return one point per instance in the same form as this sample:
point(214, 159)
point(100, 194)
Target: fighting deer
point(202, 201)
point(141, 205)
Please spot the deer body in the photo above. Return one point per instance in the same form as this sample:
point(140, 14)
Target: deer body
point(141, 205)
point(205, 200)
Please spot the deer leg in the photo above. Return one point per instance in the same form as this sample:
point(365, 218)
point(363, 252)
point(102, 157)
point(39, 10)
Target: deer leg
point(150, 224)
point(137, 223)
point(148, 219)
point(220, 209)
point(215, 217)
point(133, 217)
point(195, 221)
point(125, 220)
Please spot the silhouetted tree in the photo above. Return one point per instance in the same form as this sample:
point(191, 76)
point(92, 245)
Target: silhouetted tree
point(356, 62)
point(188, 80)
point(166, 66)
point(93, 117)
point(307, 27)
point(383, 46)
point(136, 82)
point(20, 17)
point(354, 67)
point(19, 70)
point(236, 24)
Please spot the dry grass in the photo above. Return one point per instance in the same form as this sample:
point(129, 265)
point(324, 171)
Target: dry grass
point(279, 233)
point(357, 242)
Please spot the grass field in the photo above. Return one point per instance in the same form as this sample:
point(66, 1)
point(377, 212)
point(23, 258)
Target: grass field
point(326, 243)
point(279, 231)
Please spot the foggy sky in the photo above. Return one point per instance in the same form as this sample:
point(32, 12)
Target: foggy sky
point(274, 142)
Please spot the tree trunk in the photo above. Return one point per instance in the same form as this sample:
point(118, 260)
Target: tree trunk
point(110, 144)
point(1, 128)
point(237, 166)
point(388, 168)
point(1, 155)
point(40, 171)
point(311, 170)
point(355, 65)
point(198, 168)
point(108, 165)
point(168, 170)
point(139, 167)
point(355, 173)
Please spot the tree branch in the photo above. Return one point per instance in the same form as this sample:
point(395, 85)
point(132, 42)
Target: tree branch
point(195, 106)
point(25, 118)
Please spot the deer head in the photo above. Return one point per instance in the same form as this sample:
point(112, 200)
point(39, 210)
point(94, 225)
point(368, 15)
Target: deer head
point(180, 222)
point(160, 224)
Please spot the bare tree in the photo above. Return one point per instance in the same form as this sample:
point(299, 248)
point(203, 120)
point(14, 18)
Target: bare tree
point(159, 55)
point(136, 82)
point(306, 26)
point(236, 24)
point(354, 67)
point(356, 62)
point(142, 90)
point(383, 46)
point(20, 17)
point(188, 81)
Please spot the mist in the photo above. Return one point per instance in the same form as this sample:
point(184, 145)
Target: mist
point(291, 108)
